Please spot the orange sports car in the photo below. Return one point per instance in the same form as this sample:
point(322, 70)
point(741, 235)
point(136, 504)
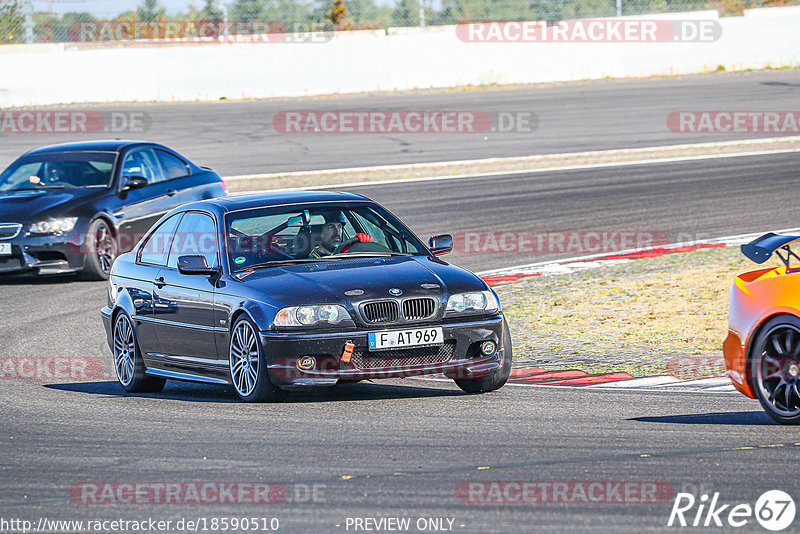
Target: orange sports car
point(762, 350)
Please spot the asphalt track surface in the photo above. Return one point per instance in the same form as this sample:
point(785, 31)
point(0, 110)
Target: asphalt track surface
point(401, 448)
point(671, 202)
point(238, 137)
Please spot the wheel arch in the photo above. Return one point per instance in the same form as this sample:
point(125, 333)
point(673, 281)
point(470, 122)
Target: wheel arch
point(107, 219)
point(123, 303)
point(237, 313)
point(257, 313)
point(748, 354)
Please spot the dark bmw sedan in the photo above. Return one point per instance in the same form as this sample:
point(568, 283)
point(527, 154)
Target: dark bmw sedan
point(74, 207)
point(271, 292)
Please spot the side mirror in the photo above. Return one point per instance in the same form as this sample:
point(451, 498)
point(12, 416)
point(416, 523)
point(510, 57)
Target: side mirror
point(440, 244)
point(194, 264)
point(134, 182)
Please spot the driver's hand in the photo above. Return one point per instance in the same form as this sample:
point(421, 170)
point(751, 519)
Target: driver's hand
point(364, 238)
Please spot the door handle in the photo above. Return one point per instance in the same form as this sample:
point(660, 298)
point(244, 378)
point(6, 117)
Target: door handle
point(160, 282)
point(171, 192)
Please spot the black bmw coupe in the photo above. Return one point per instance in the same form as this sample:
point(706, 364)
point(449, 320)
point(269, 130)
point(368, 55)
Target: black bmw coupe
point(73, 207)
point(279, 291)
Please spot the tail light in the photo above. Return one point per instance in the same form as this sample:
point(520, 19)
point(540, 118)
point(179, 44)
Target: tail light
point(224, 185)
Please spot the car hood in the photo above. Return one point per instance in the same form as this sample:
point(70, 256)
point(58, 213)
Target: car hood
point(358, 280)
point(25, 206)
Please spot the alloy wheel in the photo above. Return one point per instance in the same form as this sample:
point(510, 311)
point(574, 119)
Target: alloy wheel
point(778, 371)
point(124, 350)
point(104, 248)
point(244, 358)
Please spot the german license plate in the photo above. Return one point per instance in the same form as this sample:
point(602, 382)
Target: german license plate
point(397, 339)
point(5, 249)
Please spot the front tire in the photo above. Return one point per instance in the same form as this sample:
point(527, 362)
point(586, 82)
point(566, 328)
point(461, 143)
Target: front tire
point(497, 378)
point(128, 363)
point(248, 366)
point(101, 251)
point(775, 368)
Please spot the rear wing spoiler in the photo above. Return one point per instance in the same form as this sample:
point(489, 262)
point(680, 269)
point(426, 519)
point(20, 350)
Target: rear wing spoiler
point(760, 249)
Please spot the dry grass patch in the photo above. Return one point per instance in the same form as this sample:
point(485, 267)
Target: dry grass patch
point(649, 316)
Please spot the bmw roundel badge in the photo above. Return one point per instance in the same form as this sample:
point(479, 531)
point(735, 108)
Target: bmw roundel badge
point(396, 292)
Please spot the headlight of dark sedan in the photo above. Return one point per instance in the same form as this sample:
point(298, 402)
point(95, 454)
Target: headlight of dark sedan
point(59, 226)
point(474, 302)
point(315, 315)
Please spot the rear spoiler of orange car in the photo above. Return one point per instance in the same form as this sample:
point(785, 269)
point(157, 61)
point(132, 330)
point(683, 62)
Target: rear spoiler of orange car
point(760, 249)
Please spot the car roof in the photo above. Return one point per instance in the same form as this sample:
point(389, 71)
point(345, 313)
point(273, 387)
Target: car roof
point(282, 198)
point(108, 145)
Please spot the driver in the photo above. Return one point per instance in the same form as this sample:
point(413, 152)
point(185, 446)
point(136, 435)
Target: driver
point(331, 234)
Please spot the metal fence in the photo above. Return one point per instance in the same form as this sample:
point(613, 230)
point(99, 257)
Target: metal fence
point(84, 21)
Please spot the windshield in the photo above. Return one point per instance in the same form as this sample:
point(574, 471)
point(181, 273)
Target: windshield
point(322, 232)
point(59, 170)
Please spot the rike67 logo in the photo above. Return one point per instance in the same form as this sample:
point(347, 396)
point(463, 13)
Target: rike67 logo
point(774, 510)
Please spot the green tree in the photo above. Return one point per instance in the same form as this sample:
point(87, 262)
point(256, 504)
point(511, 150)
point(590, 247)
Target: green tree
point(211, 12)
point(291, 14)
point(366, 13)
point(11, 21)
point(247, 10)
point(337, 13)
point(150, 11)
point(406, 13)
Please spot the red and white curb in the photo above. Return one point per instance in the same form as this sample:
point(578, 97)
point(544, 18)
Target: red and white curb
point(582, 263)
point(536, 376)
point(540, 377)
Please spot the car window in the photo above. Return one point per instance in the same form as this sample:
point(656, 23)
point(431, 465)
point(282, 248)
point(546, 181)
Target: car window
point(373, 229)
point(256, 226)
point(173, 167)
point(142, 162)
point(155, 249)
point(286, 233)
point(59, 170)
point(196, 235)
point(22, 176)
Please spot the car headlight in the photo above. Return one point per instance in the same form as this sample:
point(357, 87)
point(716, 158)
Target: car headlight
point(62, 225)
point(311, 315)
point(475, 302)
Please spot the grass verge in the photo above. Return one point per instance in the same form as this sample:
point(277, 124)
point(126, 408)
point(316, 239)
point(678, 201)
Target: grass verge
point(665, 315)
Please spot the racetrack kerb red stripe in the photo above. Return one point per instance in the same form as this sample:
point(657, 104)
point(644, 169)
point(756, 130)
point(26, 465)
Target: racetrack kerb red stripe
point(492, 280)
point(539, 376)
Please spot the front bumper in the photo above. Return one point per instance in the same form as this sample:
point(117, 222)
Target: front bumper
point(459, 357)
point(43, 254)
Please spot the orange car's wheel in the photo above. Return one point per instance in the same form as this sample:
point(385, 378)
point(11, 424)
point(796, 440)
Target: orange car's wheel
point(775, 368)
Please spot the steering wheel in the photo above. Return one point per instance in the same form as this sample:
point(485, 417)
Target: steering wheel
point(358, 238)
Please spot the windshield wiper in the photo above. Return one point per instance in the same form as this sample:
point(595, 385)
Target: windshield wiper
point(37, 188)
point(278, 263)
point(332, 257)
point(346, 255)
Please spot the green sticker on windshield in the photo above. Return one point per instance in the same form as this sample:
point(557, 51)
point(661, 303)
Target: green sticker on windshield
point(239, 260)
